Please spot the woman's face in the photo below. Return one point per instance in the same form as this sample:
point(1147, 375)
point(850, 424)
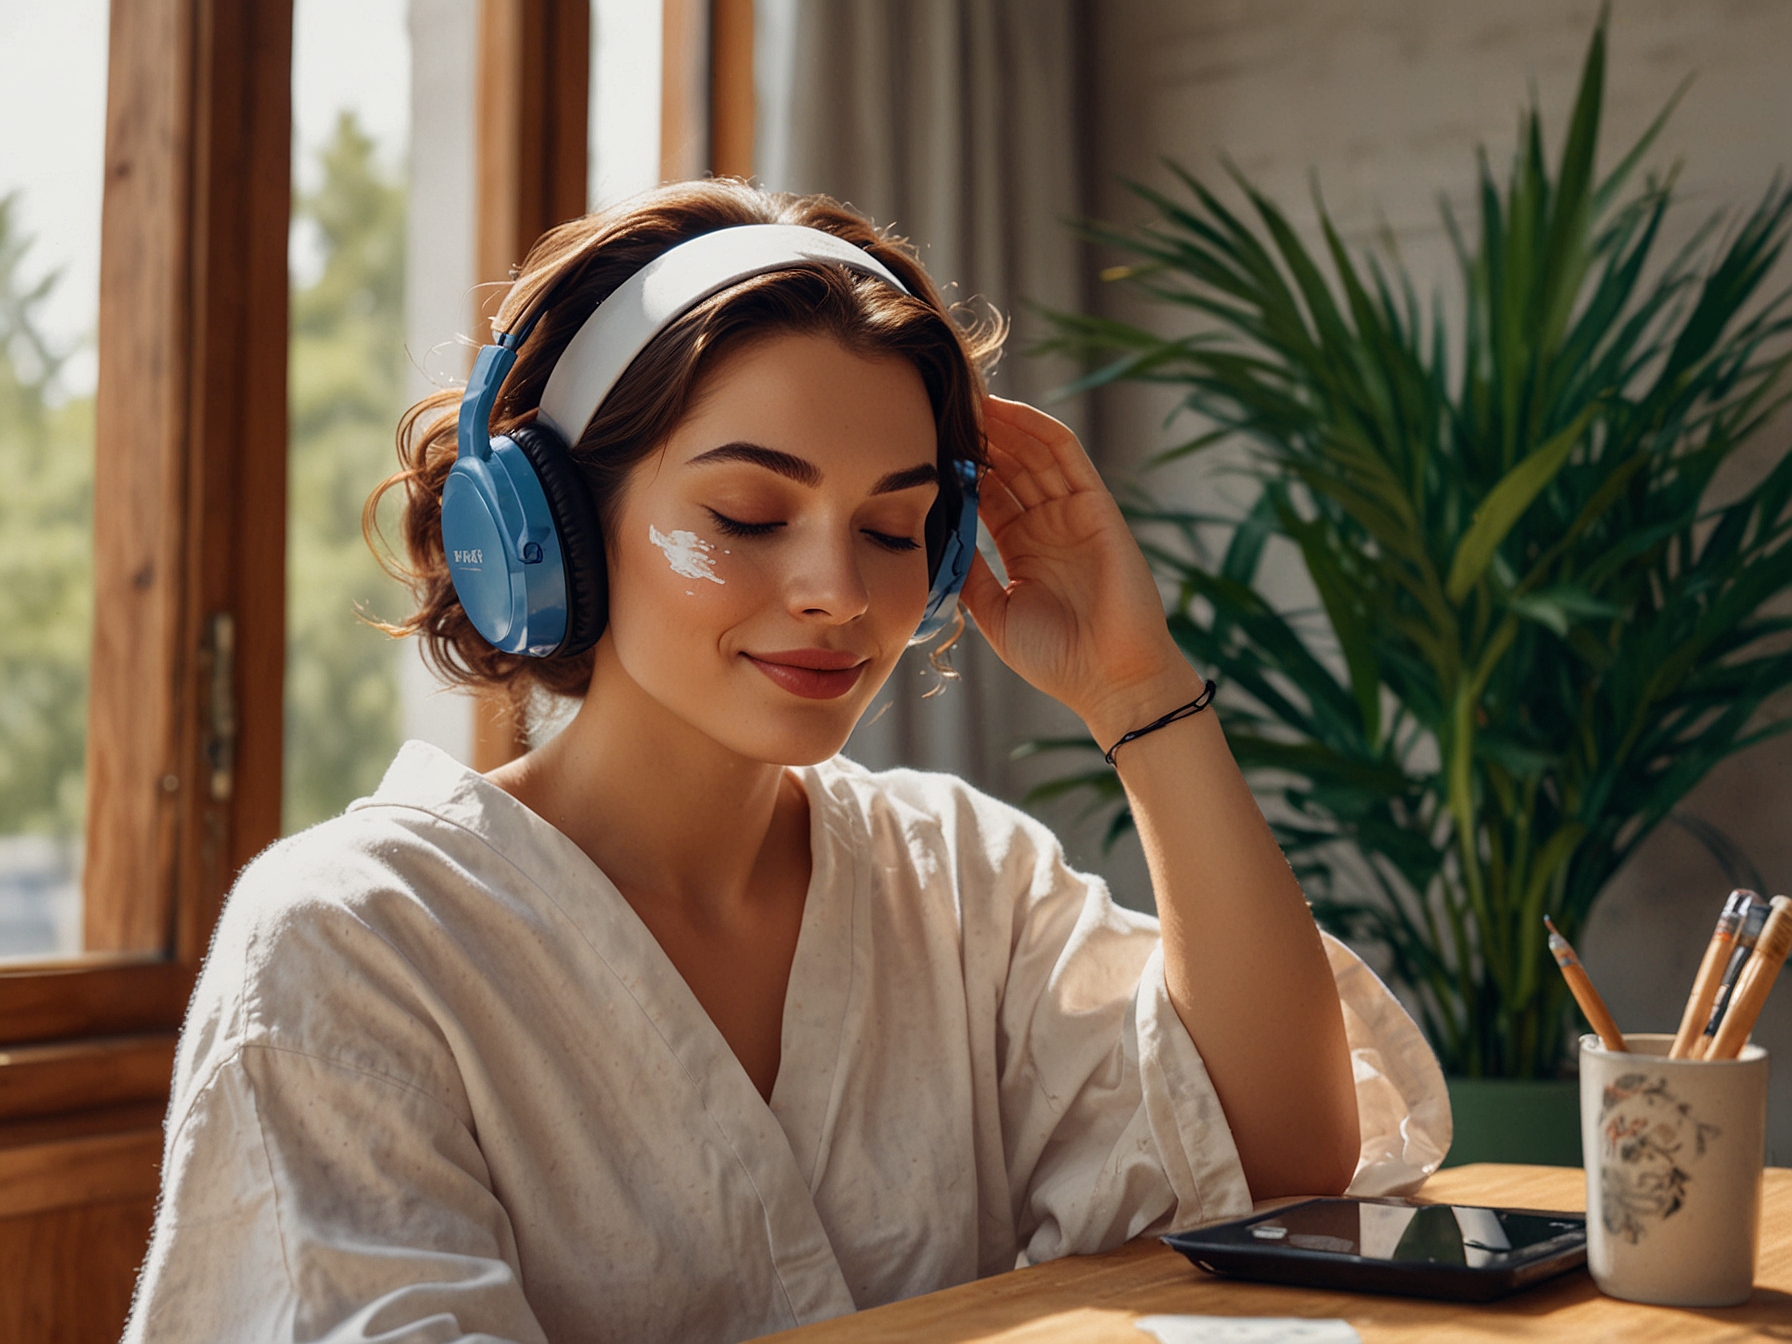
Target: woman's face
point(767, 568)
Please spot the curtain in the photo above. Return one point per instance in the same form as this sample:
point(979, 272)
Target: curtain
point(957, 122)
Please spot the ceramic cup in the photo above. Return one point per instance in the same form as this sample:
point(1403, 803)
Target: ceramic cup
point(1673, 1150)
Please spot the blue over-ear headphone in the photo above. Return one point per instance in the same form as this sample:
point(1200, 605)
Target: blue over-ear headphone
point(518, 526)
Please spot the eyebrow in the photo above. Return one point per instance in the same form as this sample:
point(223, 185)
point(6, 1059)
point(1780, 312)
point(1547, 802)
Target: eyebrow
point(805, 472)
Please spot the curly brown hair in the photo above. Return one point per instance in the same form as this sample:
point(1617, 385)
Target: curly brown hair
point(573, 268)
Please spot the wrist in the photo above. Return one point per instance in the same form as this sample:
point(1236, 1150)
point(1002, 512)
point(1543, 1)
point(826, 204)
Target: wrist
point(1126, 708)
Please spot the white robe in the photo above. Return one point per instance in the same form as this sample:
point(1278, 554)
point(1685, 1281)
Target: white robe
point(438, 1082)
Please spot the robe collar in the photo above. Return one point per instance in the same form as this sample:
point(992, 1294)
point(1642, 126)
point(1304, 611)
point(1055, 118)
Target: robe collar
point(781, 1145)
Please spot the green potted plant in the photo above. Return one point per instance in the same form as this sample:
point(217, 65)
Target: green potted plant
point(1538, 626)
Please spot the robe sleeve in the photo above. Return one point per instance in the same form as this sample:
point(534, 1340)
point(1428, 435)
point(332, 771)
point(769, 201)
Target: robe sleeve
point(1111, 1125)
point(307, 1199)
point(321, 1177)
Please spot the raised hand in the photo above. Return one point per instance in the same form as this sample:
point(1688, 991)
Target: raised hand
point(1080, 617)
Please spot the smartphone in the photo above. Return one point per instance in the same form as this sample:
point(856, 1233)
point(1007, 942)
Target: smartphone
point(1463, 1252)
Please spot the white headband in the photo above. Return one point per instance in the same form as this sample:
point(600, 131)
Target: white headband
point(672, 284)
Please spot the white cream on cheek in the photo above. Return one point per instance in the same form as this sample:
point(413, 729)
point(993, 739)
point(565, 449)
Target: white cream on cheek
point(687, 553)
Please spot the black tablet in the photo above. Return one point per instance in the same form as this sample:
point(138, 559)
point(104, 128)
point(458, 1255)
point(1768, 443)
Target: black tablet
point(1459, 1251)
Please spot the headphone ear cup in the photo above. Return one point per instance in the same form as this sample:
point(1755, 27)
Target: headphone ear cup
point(941, 522)
point(951, 535)
point(581, 539)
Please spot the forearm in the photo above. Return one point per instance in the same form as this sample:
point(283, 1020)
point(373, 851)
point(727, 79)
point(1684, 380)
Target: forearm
point(1243, 961)
point(1080, 617)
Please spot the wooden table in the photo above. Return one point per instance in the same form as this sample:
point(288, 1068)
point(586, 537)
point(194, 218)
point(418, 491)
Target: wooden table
point(1095, 1299)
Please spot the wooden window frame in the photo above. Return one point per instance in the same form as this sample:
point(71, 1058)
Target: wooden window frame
point(189, 513)
point(187, 665)
point(185, 736)
point(706, 88)
point(732, 101)
point(185, 712)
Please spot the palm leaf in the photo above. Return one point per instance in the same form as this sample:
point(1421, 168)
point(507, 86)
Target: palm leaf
point(1536, 629)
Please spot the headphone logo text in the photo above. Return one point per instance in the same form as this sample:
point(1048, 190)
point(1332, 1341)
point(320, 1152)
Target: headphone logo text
point(469, 557)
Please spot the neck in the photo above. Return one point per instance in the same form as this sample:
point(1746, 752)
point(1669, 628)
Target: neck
point(668, 813)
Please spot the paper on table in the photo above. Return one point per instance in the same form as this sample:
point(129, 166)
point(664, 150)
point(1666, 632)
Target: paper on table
point(1247, 1330)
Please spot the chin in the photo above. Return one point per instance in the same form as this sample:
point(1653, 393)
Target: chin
point(780, 729)
point(791, 744)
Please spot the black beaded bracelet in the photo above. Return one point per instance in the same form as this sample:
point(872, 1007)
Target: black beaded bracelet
point(1193, 707)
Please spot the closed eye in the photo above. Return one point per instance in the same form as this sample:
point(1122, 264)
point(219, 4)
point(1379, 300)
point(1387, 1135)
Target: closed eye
point(734, 527)
point(890, 543)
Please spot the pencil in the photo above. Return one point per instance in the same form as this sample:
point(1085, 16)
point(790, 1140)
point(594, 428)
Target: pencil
point(1753, 920)
point(1755, 982)
point(1711, 972)
point(1582, 988)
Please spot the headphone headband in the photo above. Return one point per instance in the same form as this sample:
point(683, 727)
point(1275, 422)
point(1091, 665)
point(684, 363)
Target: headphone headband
point(666, 288)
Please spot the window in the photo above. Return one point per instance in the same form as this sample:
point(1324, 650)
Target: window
point(183, 706)
point(187, 663)
point(347, 386)
point(182, 779)
point(49, 304)
point(190, 482)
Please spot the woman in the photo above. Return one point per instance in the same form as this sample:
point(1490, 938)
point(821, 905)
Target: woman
point(681, 1026)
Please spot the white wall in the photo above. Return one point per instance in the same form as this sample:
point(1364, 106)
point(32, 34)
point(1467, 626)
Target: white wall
point(439, 275)
point(625, 98)
point(1388, 100)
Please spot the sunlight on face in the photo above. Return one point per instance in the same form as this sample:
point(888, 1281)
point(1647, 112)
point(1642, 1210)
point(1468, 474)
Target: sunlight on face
point(767, 569)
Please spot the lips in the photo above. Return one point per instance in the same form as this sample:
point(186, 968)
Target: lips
point(814, 674)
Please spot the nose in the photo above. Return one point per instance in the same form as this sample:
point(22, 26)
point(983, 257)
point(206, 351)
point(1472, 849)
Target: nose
point(825, 582)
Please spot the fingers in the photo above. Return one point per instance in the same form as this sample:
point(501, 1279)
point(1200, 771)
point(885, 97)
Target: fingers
point(1041, 452)
point(1028, 487)
point(983, 596)
point(996, 502)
